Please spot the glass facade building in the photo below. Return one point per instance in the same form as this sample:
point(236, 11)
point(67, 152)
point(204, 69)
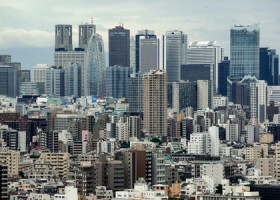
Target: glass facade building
point(244, 50)
point(194, 72)
point(222, 76)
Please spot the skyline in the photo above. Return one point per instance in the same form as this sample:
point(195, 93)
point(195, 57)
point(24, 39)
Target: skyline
point(32, 28)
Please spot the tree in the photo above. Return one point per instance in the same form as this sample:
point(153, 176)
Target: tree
point(125, 144)
point(21, 174)
point(155, 140)
point(219, 189)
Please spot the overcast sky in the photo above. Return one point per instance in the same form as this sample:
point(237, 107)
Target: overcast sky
point(30, 23)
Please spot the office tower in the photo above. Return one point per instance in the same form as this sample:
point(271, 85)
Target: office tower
point(244, 50)
point(39, 72)
point(117, 81)
point(119, 46)
point(73, 76)
point(273, 94)
point(55, 81)
point(133, 54)
point(25, 76)
point(5, 59)
point(204, 94)
point(63, 37)
point(3, 181)
point(32, 88)
point(155, 103)
point(64, 58)
point(258, 103)
point(269, 66)
point(223, 73)
point(85, 32)
point(181, 95)
point(8, 83)
point(175, 45)
point(142, 34)
point(148, 54)
point(194, 72)
point(135, 92)
point(95, 67)
point(206, 52)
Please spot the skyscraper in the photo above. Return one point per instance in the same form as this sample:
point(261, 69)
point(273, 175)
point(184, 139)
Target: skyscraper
point(119, 46)
point(85, 32)
point(269, 66)
point(132, 54)
point(204, 94)
point(73, 76)
point(55, 81)
point(39, 72)
point(206, 52)
point(155, 103)
point(63, 37)
point(95, 67)
point(135, 92)
point(244, 50)
point(223, 72)
point(194, 72)
point(117, 81)
point(8, 81)
point(142, 34)
point(148, 54)
point(175, 44)
point(25, 76)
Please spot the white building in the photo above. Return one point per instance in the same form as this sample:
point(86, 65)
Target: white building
point(206, 52)
point(273, 94)
point(204, 94)
point(232, 132)
point(220, 101)
point(39, 73)
point(105, 146)
point(70, 193)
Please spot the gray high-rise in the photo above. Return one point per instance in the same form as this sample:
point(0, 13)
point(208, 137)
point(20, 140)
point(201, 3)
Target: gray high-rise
point(244, 50)
point(135, 92)
point(8, 81)
point(119, 46)
point(85, 32)
point(55, 81)
point(73, 76)
point(175, 44)
point(117, 81)
point(63, 37)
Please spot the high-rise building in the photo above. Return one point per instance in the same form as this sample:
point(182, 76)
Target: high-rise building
point(64, 58)
point(258, 103)
point(3, 181)
point(204, 94)
point(63, 37)
point(39, 72)
point(206, 52)
point(117, 81)
point(8, 83)
point(119, 46)
point(133, 54)
point(273, 94)
point(25, 76)
point(5, 59)
point(73, 76)
point(85, 32)
point(142, 34)
point(175, 45)
point(194, 72)
point(269, 66)
point(148, 54)
point(95, 67)
point(32, 88)
point(244, 50)
point(135, 92)
point(11, 159)
point(181, 95)
point(277, 161)
point(55, 81)
point(155, 103)
point(223, 73)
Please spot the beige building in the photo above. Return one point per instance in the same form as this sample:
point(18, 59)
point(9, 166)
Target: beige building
point(155, 103)
point(11, 159)
point(267, 138)
point(266, 165)
point(277, 162)
point(59, 162)
point(253, 153)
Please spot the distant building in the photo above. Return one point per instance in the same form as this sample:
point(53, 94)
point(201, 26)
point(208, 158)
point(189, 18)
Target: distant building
point(55, 81)
point(85, 32)
point(63, 37)
point(73, 76)
point(223, 73)
point(194, 72)
point(135, 92)
point(31, 88)
point(119, 46)
point(39, 73)
point(8, 84)
point(25, 76)
point(204, 94)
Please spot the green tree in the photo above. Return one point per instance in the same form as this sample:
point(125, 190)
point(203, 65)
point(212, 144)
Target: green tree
point(219, 189)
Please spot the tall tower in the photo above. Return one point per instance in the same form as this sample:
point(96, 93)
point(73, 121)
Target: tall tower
point(204, 94)
point(175, 44)
point(85, 32)
point(63, 37)
point(95, 67)
point(206, 52)
point(119, 46)
point(244, 51)
point(155, 103)
point(55, 81)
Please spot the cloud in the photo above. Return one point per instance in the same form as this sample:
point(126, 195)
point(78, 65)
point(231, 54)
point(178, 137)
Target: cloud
point(20, 38)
